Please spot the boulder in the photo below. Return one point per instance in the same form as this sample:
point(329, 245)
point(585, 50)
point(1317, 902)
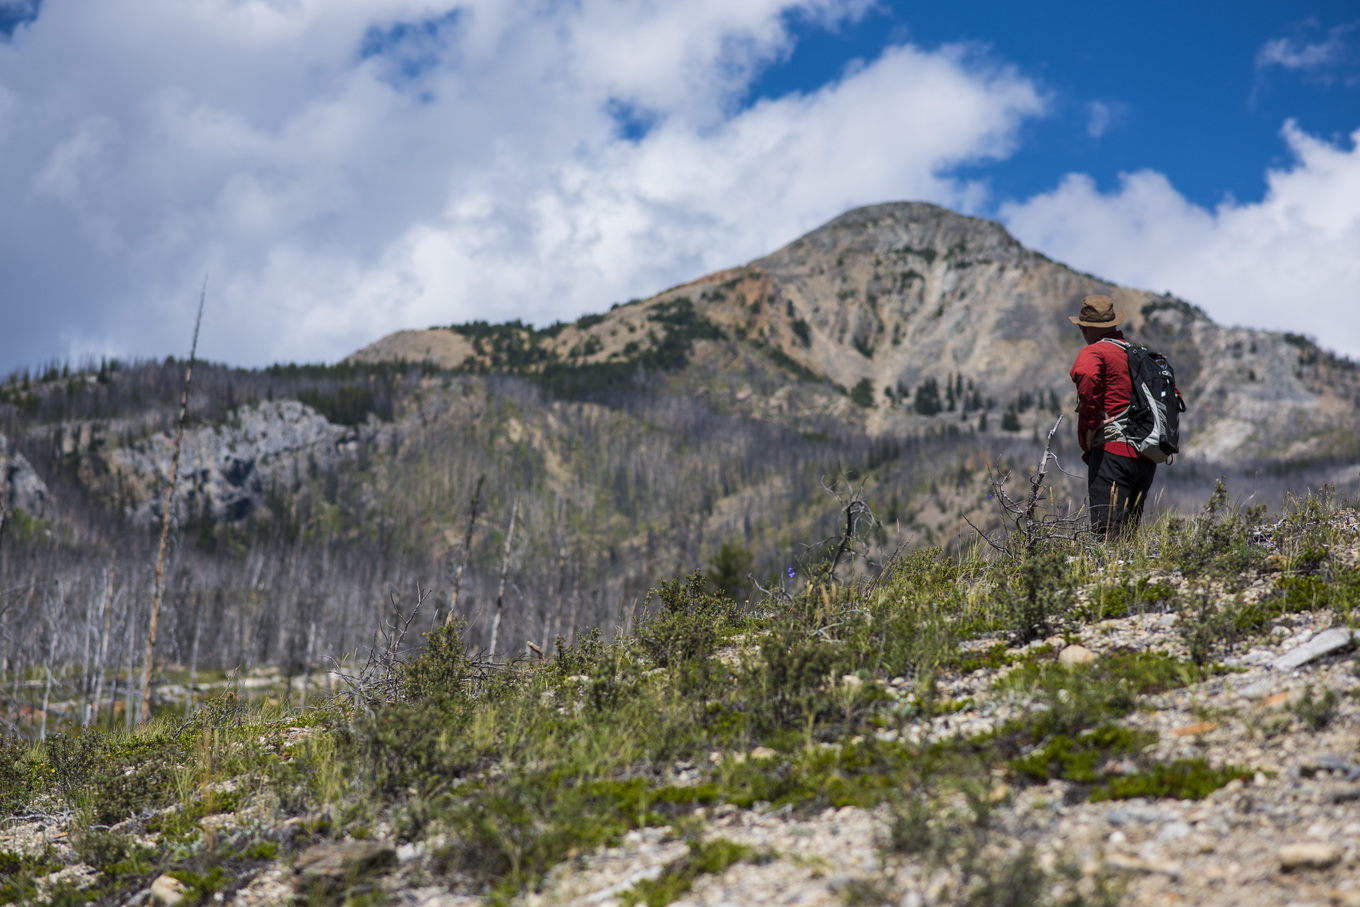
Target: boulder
point(168, 891)
point(1074, 655)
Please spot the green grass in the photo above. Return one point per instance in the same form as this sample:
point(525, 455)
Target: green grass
point(1184, 779)
point(523, 766)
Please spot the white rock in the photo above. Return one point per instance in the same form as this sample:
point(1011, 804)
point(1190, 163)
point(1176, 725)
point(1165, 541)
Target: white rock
point(1173, 831)
point(1075, 655)
point(168, 891)
point(1312, 855)
point(1324, 643)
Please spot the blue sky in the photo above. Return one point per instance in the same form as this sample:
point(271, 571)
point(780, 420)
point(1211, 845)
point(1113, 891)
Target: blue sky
point(1178, 84)
point(341, 171)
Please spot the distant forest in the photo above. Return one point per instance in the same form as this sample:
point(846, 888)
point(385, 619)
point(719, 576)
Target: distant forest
point(616, 485)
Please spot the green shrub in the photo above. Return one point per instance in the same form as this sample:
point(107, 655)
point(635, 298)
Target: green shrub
point(71, 757)
point(1080, 758)
point(1184, 779)
point(729, 574)
point(1044, 600)
point(1315, 713)
point(1207, 628)
point(909, 824)
point(787, 686)
point(1223, 541)
point(687, 627)
point(17, 782)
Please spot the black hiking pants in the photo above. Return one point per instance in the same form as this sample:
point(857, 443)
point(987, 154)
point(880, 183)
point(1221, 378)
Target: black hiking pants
point(1118, 487)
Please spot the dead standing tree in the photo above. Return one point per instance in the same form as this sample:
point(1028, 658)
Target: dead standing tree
point(1030, 530)
point(144, 709)
point(466, 551)
point(500, 591)
point(854, 518)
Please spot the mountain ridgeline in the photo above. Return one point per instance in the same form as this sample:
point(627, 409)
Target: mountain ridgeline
point(901, 347)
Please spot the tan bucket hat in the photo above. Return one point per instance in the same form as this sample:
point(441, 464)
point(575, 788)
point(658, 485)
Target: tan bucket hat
point(1097, 312)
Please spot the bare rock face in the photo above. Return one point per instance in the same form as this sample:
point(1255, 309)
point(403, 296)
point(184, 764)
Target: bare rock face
point(20, 487)
point(901, 293)
point(230, 469)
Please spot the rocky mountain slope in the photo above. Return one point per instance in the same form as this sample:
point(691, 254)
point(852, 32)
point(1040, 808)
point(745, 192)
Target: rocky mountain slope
point(897, 295)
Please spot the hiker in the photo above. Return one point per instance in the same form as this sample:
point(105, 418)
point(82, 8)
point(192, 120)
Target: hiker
point(1118, 477)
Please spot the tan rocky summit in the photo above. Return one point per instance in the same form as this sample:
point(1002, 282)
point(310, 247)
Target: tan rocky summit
point(901, 293)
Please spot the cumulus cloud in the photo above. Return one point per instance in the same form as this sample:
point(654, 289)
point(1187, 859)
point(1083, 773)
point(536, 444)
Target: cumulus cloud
point(344, 168)
point(1288, 262)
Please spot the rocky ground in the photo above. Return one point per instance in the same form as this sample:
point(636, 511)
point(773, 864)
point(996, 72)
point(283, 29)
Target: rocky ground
point(1287, 835)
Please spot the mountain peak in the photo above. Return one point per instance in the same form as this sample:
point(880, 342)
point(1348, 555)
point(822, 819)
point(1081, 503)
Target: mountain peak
point(898, 298)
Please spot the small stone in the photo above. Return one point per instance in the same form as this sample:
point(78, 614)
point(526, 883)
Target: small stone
point(1311, 855)
point(1342, 793)
point(761, 753)
point(1168, 868)
point(328, 869)
point(1341, 897)
point(168, 891)
point(1075, 655)
point(1173, 831)
point(852, 682)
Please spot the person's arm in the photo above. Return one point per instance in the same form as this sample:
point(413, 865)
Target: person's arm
point(1088, 374)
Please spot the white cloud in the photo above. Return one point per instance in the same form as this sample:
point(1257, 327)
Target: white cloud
point(1102, 117)
point(1292, 53)
point(344, 168)
point(1288, 262)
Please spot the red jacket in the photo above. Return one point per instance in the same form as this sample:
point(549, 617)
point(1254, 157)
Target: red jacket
point(1104, 390)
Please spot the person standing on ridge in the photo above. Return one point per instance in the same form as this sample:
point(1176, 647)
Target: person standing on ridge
point(1118, 478)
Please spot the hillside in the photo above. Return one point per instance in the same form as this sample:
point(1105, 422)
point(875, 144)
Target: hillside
point(909, 351)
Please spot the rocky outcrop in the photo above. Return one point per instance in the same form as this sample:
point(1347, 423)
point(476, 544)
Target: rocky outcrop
point(232, 468)
point(20, 487)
